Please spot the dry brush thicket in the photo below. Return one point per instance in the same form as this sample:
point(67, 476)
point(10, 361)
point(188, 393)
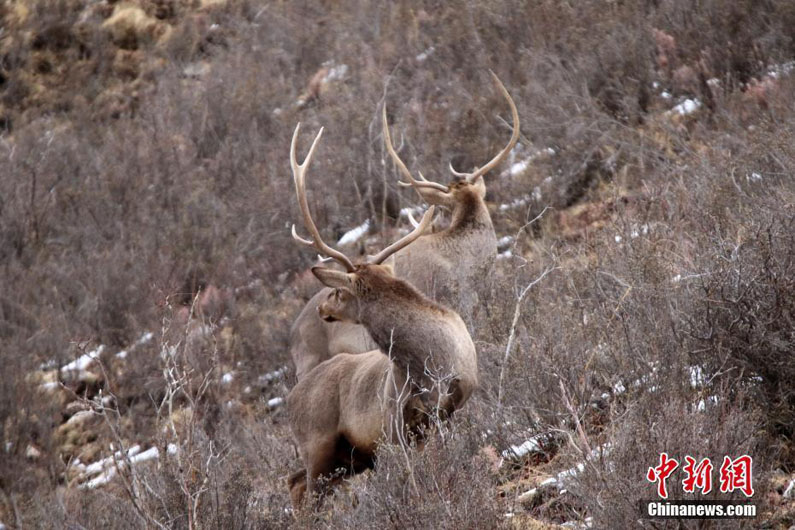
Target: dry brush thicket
point(149, 279)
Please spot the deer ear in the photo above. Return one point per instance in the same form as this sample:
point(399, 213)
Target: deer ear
point(333, 278)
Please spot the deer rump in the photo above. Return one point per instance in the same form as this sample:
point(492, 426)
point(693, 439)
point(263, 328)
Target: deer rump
point(349, 404)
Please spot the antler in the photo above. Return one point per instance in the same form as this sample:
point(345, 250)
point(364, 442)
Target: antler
point(299, 172)
point(422, 183)
point(425, 222)
point(471, 177)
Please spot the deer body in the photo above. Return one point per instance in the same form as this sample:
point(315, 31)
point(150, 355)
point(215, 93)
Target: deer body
point(312, 341)
point(450, 266)
point(347, 405)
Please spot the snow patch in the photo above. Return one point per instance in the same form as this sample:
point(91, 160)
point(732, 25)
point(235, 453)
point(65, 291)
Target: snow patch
point(789, 492)
point(781, 70)
point(84, 361)
point(106, 468)
point(701, 406)
point(697, 378)
point(412, 214)
point(49, 387)
point(639, 230)
point(559, 479)
point(679, 278)
point(505, 241)
point(336, 73)
point(516, 203)
point(533, 445)
point(421, 57)
point(528, 495)
point(352, 236)
point(686, 107)
point(272, 376)
point(519, 167)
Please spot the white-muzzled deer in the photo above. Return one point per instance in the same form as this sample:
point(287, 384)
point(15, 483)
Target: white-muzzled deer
point(425, 366)
point(451, 266)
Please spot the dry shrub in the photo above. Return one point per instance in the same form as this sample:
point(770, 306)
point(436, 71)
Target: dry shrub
point(446, 485)
point(743, 316)
point(613, 485)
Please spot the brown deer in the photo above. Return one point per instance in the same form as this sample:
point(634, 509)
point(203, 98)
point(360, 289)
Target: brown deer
point(449, 266)
point(424, 369)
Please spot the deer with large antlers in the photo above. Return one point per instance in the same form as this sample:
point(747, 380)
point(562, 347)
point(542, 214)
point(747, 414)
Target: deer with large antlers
point(424, 367)
point(449, 266)
point(452, 264)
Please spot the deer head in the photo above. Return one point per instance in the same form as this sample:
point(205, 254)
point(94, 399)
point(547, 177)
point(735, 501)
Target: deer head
point(466, 183)
point(358, 282)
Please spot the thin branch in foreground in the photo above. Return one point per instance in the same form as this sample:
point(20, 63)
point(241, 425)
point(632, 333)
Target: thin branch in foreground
point(512, 337)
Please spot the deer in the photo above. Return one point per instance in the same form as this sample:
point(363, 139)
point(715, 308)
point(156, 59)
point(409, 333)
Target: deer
point(449, 265)
point(423, 369)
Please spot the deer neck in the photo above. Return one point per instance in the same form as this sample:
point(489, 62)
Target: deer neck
point(416, 333)
point(469, 214)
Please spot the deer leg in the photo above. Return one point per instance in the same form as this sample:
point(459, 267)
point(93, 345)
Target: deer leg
point(297, 485)
point(321, 461)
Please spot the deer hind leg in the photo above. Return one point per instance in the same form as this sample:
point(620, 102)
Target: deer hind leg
point(297, 485)
point(321, 464)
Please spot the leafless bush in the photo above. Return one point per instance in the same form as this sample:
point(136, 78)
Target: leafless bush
point(446, 485)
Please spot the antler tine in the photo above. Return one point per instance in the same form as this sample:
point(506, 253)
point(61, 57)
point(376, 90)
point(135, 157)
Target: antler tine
point(457, 173)
point(410, 216)
point(301, 239)
point(402, 166)
point(471, 177)
point(413, 221)
point(406, 240)
point(299, 173)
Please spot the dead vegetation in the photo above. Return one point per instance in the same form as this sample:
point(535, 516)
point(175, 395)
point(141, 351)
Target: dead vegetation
point(143, 195)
